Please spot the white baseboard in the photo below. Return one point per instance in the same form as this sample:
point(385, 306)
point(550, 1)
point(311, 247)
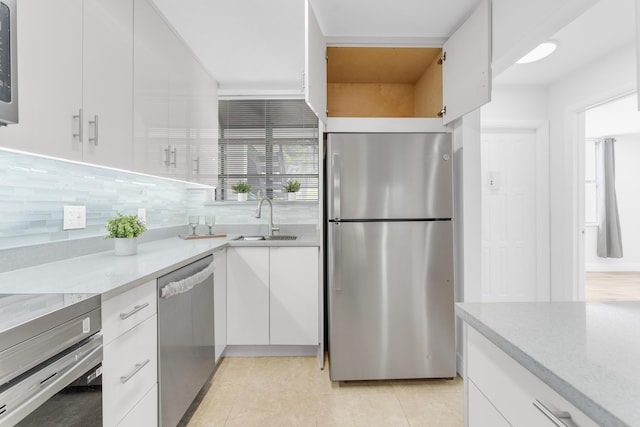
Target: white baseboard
point(270, 350)
point(612, 267)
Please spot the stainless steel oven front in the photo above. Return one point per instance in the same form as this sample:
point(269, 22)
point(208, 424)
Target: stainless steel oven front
point(8, 63)
point(50, 360)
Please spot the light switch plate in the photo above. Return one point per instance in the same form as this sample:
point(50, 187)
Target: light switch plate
point(142, 215)
point(75, 217)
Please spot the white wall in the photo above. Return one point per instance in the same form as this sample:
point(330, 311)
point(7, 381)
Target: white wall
point(516, 103)
point(627, 178)
point(601, 80)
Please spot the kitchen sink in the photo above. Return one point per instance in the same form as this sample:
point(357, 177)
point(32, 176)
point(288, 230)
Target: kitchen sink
point(276, 237)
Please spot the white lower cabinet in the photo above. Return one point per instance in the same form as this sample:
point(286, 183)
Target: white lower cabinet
point(130, 358)
point(480, 411)
point(497, 381)
point(272, 296)
point(247, 296)
point(145, 413)
point(220, 302)
point(293, 302)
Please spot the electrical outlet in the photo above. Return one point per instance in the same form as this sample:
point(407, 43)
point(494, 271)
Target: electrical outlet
point(142, 215)
point(75, 217)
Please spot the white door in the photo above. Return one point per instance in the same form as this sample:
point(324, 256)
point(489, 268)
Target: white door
point(315, 74)
point(466, 70)
point(509, 223)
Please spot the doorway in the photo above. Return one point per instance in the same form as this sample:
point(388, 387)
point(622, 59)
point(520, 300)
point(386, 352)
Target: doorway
point(608, 279)
point(514, 212)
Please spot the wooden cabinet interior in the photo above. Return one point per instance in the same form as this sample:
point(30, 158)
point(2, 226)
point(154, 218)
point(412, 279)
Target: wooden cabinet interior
point(383, 82)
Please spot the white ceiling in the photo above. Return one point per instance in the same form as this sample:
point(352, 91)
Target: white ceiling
point(603, 28)
point(259, 44)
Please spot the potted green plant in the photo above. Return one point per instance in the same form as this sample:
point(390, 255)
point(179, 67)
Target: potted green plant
point(292, 187)
point(125, 230)
point(243, 189)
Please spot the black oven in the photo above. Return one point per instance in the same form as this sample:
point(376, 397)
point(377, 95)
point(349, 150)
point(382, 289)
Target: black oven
point(8, 63)
point(50, 360)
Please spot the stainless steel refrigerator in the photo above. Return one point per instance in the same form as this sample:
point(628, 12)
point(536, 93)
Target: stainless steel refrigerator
point(390, 256)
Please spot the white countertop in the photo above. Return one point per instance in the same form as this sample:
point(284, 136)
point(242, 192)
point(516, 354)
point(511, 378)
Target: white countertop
point(588, 353)
point(107, 274)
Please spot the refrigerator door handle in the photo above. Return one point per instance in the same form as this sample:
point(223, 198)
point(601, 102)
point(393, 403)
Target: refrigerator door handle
point(337, 253)
point(337, 189)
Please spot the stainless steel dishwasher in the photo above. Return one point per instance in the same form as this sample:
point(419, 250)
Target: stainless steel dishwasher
point(186, 357)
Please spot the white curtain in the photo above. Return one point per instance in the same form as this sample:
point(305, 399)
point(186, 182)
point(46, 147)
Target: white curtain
point(609, 236)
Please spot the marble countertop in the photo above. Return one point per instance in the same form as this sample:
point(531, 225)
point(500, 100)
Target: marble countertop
point(589, 353)
point(107, 274)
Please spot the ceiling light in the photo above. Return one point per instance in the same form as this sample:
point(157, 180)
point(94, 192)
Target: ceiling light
point(541, 51)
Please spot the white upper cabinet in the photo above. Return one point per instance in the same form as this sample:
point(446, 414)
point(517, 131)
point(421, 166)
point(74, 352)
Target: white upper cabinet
point(390, 80)
point(50, 79)
point(315, 76)
point(151, 89)
point(75, 64)
point(107, 98)
point(466, 69)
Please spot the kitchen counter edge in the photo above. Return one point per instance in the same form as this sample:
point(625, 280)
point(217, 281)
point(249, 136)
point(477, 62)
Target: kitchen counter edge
point(110, 275)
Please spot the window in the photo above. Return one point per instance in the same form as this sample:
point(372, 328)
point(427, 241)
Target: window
point(267, 143)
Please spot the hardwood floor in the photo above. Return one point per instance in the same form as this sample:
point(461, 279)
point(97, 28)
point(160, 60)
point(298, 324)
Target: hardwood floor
point(612, 286)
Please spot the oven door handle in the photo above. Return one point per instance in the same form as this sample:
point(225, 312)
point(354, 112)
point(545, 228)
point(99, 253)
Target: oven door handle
point(185, 285)
point(44, 384)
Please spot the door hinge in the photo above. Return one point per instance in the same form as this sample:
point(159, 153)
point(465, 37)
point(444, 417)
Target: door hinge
point(443, 58)
point(442, 112)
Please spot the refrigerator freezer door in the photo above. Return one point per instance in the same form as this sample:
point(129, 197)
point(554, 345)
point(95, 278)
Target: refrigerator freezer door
point(389, 176)
point(391, 300)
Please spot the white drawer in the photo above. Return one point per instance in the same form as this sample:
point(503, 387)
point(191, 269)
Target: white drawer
point(511, 388)
point(145, 413)
point(124, 311)
point(481, 412)
point(130, 369)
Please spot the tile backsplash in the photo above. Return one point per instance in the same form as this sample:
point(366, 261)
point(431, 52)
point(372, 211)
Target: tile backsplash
point(34, 189)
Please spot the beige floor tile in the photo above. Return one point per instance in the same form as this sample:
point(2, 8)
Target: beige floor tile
point(372, 410)
point(293, 391)
point(420, 387)
point(433, 409)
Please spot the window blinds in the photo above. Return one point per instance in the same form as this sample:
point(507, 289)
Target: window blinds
point(266, 143)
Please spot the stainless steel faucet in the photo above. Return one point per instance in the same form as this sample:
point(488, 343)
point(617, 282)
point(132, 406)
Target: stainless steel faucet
point(259, 211)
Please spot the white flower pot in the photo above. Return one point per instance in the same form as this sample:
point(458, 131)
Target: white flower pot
point(126, 246)
point(291, 197)
point(242, 197)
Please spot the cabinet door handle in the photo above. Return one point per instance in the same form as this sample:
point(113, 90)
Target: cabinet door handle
point(80, 120)
point(559, 418)
point(174, 152)
point(136, 369)
point(94, 122)
point(167, 156)
point(196, 161)
point(136, 309)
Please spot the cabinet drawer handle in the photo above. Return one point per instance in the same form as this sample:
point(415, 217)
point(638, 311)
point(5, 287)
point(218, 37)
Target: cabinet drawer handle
point(559, 418)
point(136, 369)
point(136, 309)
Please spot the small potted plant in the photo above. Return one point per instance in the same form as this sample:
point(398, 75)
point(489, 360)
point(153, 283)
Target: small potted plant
point(243, 189)
point(125, 230)
point(292, 187)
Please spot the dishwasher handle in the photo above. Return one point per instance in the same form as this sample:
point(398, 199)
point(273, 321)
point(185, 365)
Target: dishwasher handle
point(185, 285)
